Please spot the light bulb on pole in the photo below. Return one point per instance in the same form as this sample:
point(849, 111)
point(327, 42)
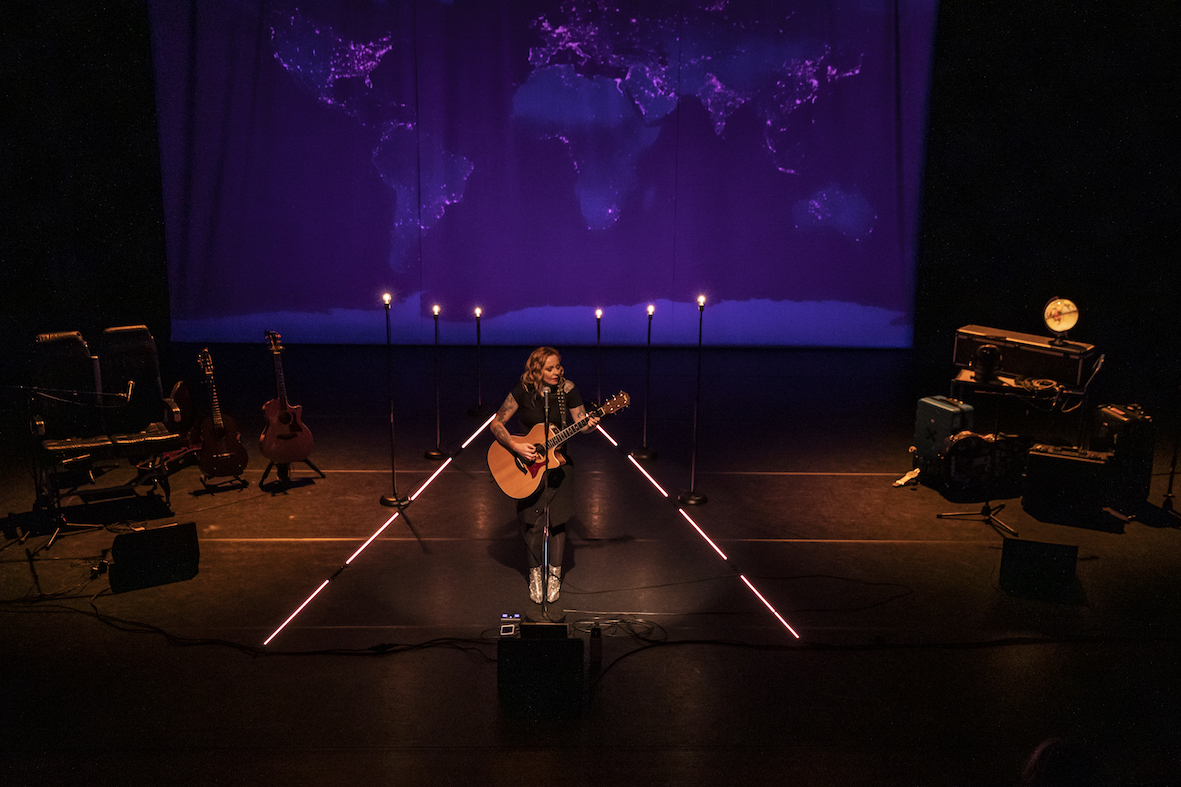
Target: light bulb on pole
point(645, 452)
point(693, 497)
point(478, 411)
point(393, 499)
point(437, 451)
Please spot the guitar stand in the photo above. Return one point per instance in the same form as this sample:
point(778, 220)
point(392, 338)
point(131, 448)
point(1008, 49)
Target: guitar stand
point(988, 513)
point(283, 472)
point(230, 482)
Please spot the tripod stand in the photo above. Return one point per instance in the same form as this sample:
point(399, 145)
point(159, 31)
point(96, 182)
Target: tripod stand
point(987, 513)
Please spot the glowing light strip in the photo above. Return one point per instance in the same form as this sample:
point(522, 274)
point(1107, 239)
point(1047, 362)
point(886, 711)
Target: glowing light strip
point(323, 585)
point(767, 604)
point(651, 480)
point(373, 537)
point(701, 532)
point(369, 540)
point(434, 475)
point(476, 433)
point(610, 439)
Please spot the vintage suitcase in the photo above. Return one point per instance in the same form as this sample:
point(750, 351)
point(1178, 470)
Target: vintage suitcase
point(937, 420)
point(1069, 486)
point(1127, 432)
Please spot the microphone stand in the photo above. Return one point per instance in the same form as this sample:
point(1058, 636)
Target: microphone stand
point(545, 573)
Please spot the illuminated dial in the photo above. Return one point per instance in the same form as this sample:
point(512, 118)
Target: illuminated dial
point(1060, 315)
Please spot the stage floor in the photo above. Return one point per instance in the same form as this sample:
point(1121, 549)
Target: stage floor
point(916, 662)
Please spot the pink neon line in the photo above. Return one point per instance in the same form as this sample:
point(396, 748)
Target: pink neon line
point(323, 585)
point(708, 540)
point(370, 539)
point(610, 439)
point(434, 475)
point(651, 480)
point(476, 433)
point(767, 604)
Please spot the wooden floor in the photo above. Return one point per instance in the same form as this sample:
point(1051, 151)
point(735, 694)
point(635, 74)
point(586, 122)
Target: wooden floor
point(915, 663)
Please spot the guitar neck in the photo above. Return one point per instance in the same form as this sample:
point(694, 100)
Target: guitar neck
point(214, 404)
point(568, 432)
point(280, 385)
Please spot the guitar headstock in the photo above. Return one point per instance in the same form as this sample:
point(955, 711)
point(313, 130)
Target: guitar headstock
point(205, 360)
point(273, 339)
point(616, 402)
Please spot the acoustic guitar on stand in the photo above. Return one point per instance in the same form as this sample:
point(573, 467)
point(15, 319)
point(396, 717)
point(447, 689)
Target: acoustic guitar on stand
point(285, 440)
point(518, 478)
point(222, 453)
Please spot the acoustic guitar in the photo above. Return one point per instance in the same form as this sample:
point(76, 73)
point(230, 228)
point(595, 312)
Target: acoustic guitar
point(519, 478)
point(284, 439)
point(222, 452)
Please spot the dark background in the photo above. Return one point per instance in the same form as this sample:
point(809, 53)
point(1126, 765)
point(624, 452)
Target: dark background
point(1051, 170)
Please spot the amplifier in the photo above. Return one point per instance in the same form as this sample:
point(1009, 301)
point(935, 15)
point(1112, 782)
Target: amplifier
point(1026, 355)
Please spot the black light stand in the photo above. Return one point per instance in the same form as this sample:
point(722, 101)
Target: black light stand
point(645, 452)
point(693, 497)
point(393, 499)
point(598, 355)
point(478, 411)
point(436, 452)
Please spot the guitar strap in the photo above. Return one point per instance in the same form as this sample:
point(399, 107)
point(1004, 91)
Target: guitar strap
point(562, 403)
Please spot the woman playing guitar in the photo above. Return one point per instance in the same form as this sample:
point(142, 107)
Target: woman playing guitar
point(542, 381)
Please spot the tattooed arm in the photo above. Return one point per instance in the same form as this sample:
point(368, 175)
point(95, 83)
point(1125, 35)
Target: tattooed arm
point(499, 429)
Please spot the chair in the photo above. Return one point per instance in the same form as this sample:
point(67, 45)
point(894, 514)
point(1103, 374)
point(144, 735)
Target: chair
point(65, 416)
point(87, 409)
point(138, 418)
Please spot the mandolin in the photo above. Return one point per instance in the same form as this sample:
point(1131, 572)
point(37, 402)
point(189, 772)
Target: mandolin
point(284, 439)
point(222, 452)
point(518, 478)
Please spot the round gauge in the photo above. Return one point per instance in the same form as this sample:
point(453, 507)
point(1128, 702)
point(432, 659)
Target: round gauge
point(1060, 315)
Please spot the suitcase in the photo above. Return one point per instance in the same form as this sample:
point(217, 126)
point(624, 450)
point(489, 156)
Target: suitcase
point(1127, 432)
point(1068, 486)
point(937, 420)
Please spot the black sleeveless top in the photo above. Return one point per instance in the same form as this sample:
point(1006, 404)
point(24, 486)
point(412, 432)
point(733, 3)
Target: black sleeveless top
point(531, 409)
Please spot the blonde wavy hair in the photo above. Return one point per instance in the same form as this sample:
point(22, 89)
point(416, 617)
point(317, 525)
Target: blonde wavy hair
point(531, 378)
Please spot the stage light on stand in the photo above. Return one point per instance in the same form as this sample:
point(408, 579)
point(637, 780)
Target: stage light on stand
point(392, 499)
point(645, 452)
point(437, 452)
point(478, 411)
point(598, 355)
point(693, 497)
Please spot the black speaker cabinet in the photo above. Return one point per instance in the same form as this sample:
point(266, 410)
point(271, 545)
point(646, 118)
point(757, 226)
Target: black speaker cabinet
point(145, 558)
point(539, 674)
point(1038, 570)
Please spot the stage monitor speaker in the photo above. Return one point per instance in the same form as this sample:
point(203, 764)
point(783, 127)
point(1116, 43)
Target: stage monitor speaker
point(539, 676)
point(1035, 569)
point(146, 558)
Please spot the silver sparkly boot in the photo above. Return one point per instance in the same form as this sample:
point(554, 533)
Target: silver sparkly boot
point(535, 584)
point(555, 584)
